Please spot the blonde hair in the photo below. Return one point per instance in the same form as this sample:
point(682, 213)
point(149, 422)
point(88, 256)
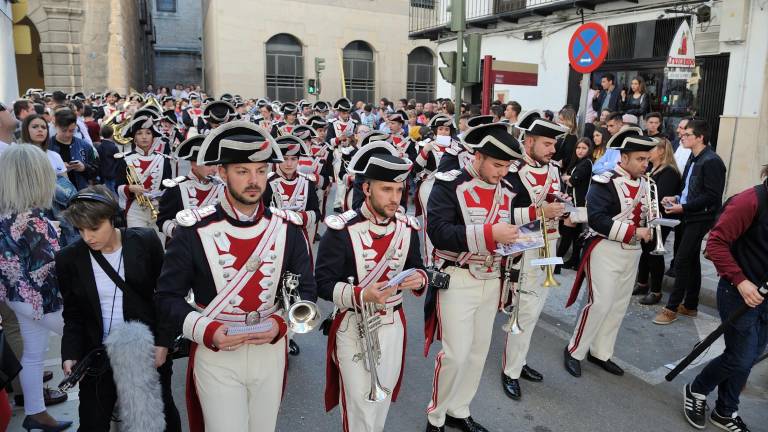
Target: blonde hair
point(27, 180)
point(668, 159)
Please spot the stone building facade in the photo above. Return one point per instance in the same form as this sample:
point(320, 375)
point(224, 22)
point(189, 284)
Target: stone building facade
point(178, 51)
point(268, 48)
point(85, 45)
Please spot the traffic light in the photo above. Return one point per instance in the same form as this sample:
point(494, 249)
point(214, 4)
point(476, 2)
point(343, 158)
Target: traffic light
point(457, 10)
point(472, 59)
point(311, 88)
point(319, 64)
point(448, 72)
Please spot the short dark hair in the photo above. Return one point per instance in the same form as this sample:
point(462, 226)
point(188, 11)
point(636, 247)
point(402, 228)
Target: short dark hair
point(19, 106)
point(700, 129)
point(497, 110)
point(39, 109)
point(654, 114)
point(610, 77)
point(87, 111)
point(106, 131)
point(89, 214)
point(59, 96)
point(516, 107)
point(615, 116)
point(64, 117)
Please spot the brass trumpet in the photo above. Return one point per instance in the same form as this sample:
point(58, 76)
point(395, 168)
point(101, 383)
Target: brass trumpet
point(369, 323)
point(144, 201)
point(303, 315)
point(544, 252)
point(513, 311)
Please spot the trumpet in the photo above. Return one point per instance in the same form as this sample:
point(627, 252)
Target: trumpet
point(303, 315)
point(513, 311)
point(654, 214)
point(369, 323)
point(544, 252)
point(144, 201)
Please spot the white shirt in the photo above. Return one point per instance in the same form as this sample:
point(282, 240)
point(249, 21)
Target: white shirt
point(56, 162)
point(110, 295)
point(681, 156)
point(3, 146)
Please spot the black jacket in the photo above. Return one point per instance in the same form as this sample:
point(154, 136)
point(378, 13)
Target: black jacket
point(83, 325)
point(636, 107)
point(613, 102)
point(705, 187)
point(580, 173)
point(108, 168)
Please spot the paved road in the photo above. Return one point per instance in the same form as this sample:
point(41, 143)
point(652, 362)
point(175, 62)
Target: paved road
point(639, 401)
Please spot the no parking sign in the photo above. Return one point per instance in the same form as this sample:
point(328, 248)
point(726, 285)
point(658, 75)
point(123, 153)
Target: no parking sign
point(588, 47)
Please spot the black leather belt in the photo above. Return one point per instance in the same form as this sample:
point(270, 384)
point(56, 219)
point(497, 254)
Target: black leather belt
point(455, 264)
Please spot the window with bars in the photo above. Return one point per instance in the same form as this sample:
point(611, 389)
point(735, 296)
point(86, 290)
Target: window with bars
point(359, 72)
point(166, 5)
point(421, 75)
point(285, 68)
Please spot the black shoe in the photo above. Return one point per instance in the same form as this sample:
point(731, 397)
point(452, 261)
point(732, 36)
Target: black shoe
point(695, 408)
point(572, 365)
point(731, 424)
point(431, 428)
point(465, 424)
point(531, 374)
point(31, 424)
point(511, 387)
point(293, 348)
point(608, 365)
point(651, 299)
point(640, 289)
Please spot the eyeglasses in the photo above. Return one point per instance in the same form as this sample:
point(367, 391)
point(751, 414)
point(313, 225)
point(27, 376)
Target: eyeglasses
point(687, 135)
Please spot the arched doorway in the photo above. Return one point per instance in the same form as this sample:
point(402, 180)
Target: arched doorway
point(29, 60)
point(421, 75)
point(285, 68)
point(359, 72)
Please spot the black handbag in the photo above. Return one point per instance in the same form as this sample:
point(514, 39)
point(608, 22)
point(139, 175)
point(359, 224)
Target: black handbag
point(9, 364)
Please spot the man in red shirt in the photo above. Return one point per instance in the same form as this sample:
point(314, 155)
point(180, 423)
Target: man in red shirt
point(738, 247)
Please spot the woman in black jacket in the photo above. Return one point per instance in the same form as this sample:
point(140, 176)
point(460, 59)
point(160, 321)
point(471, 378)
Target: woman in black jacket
point(576, 179)
point(567, 143)
point(665, 173)
point(96, 304)
point(636, 101)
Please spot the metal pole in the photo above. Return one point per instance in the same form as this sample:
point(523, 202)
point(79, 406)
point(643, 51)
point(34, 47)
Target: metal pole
point(583, 101)
point(487, 84)
point(459, 71)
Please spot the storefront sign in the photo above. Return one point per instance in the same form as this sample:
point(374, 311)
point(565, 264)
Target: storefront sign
point(588, 47)
point(515, 73)
point(682, 56)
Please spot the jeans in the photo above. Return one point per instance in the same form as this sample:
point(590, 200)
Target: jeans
point(745, 340)
point(35, 334)
point(688, 266)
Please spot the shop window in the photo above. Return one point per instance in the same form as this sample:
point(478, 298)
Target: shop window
point(359, 72)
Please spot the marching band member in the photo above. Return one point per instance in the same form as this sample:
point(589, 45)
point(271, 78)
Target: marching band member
point(305, 109)
point(198, 189)
point(215, 114)
point(469, 210)
point(140, 173)
point(234, 257)
point(616, 211)
point(358, 255)
point(316, 162)
point(353, 184)
point(285, 127)
point(266, 117)
point(431, 151)
point(341, 135)
point(192, 113)
point(405, 147)
point(535, 180)
point(291, 189)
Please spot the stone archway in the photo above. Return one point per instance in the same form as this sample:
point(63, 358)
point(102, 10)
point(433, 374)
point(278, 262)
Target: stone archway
point(59, 26)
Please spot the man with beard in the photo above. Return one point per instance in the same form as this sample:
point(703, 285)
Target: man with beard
point(361, 251)
point(198, 189)
point(616, 212)
point(537, 183)
point(235, 257)
point(469, 212)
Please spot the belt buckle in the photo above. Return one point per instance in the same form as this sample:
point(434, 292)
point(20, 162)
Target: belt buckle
point(252, 318)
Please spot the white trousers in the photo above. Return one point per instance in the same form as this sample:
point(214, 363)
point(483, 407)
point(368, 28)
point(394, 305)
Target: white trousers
point(34, 334)
point(139, 216)
point(357, 414)
point(424, 190)
point(466, 312)
point(241, 390)
point(532, 301)
point(611, 277)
